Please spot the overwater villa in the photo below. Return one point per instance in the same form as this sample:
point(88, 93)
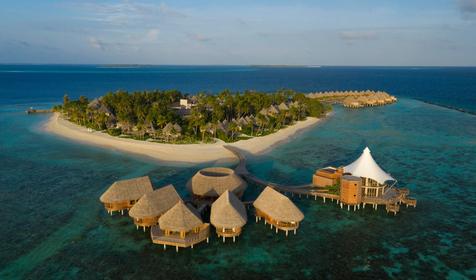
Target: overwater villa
point(176, 223)
point(356, 99)
point(228, 215)
point(122, 195)
point(210, 183)
point(277, 210)
point(152, 205)
point(181, 226)
point(364, 182)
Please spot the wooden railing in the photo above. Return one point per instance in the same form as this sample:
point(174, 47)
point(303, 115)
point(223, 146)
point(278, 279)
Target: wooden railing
point(158, 236)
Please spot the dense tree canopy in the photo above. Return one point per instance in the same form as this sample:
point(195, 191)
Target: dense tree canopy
point(172, 116)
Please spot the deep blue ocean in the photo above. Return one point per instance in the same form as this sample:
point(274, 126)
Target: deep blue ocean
point(54, 227)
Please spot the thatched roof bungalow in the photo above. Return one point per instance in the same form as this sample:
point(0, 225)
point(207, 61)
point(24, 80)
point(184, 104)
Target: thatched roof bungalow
point(283, 107)
point(172, 130)
point(228, 215)
point(351, 102)
point(152, 205)
point(277, 210)
point(273, 110)
point(125, 193)
point(213, 181)
point(181, 226)
point(263, 112)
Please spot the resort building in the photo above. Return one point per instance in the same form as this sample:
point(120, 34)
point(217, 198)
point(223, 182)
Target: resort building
point(373, 177)
point(362, 182)
point(328, 176)
point(351, 190)
point(124, 194)
point(210, 183)
point(277, 210)
point(181, 226)
point(228, 215)
point(152, 205)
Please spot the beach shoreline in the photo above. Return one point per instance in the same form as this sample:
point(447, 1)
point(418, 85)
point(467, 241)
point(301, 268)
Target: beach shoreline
point(176, 153)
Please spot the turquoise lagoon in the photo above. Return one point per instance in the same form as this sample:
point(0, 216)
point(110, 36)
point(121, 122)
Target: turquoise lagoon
point(53, 225)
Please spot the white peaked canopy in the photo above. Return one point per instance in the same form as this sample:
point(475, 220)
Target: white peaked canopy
point(365, 166)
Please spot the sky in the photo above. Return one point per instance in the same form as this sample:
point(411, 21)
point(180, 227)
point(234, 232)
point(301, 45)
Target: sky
point(246, 32)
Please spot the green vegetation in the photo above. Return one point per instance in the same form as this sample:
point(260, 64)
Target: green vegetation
point(170, 116)
point(334, 189)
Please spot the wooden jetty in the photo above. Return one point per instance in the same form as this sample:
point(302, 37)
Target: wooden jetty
point(391, 199)
point(38, 111)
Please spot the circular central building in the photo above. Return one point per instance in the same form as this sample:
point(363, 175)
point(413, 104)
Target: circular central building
point(213, 181)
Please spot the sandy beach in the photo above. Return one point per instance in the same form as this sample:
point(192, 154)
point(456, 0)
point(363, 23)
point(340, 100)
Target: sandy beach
point(179, 153)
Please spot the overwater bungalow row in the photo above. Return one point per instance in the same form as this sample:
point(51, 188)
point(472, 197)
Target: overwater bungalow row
point(176, 223)
point(355, 99)
point(173, 222)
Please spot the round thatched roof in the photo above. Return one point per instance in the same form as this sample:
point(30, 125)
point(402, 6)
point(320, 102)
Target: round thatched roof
point(228, 212)
point(124, 190)
point(214, 181)
point(278, 206)
point(156, 203)
point(181, 217)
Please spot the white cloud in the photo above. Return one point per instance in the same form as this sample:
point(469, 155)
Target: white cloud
point(199, 37)
point(97, 44)
point(351, 36)
point(152, 34)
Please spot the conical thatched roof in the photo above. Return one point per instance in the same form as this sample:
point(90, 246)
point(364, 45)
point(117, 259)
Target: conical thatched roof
point(278, 206)
point(283, 106)
point(181, 217)
point(177, 128)
point(263, 111)
point(168, 128)
point(94, 104)
point(228, 212)
point(156, 203)
point(131, 189)
point(214, 181)
point(273, 110)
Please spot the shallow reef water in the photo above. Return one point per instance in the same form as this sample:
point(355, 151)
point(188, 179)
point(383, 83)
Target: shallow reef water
point(55, 227)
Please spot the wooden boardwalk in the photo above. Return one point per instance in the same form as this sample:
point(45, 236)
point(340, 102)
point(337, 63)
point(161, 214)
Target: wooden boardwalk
point(391, 199)
point(306, 189)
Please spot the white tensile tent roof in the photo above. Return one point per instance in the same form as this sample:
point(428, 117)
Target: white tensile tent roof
point(365, 166)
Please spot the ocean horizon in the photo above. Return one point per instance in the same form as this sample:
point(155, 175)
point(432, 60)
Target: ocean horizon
point(55, 225)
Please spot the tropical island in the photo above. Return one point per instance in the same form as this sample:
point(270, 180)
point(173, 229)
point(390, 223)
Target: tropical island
point(172, 117)
point(175, 127)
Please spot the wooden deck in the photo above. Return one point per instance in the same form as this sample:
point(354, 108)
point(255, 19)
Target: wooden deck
point(158, 237)
point(392, 198)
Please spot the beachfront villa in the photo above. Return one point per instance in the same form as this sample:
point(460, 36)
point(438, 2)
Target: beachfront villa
point(210, 183)
point(147, 211)
point(122, 195)
point(277, 210)
point(228, 215)
point(181, 226)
